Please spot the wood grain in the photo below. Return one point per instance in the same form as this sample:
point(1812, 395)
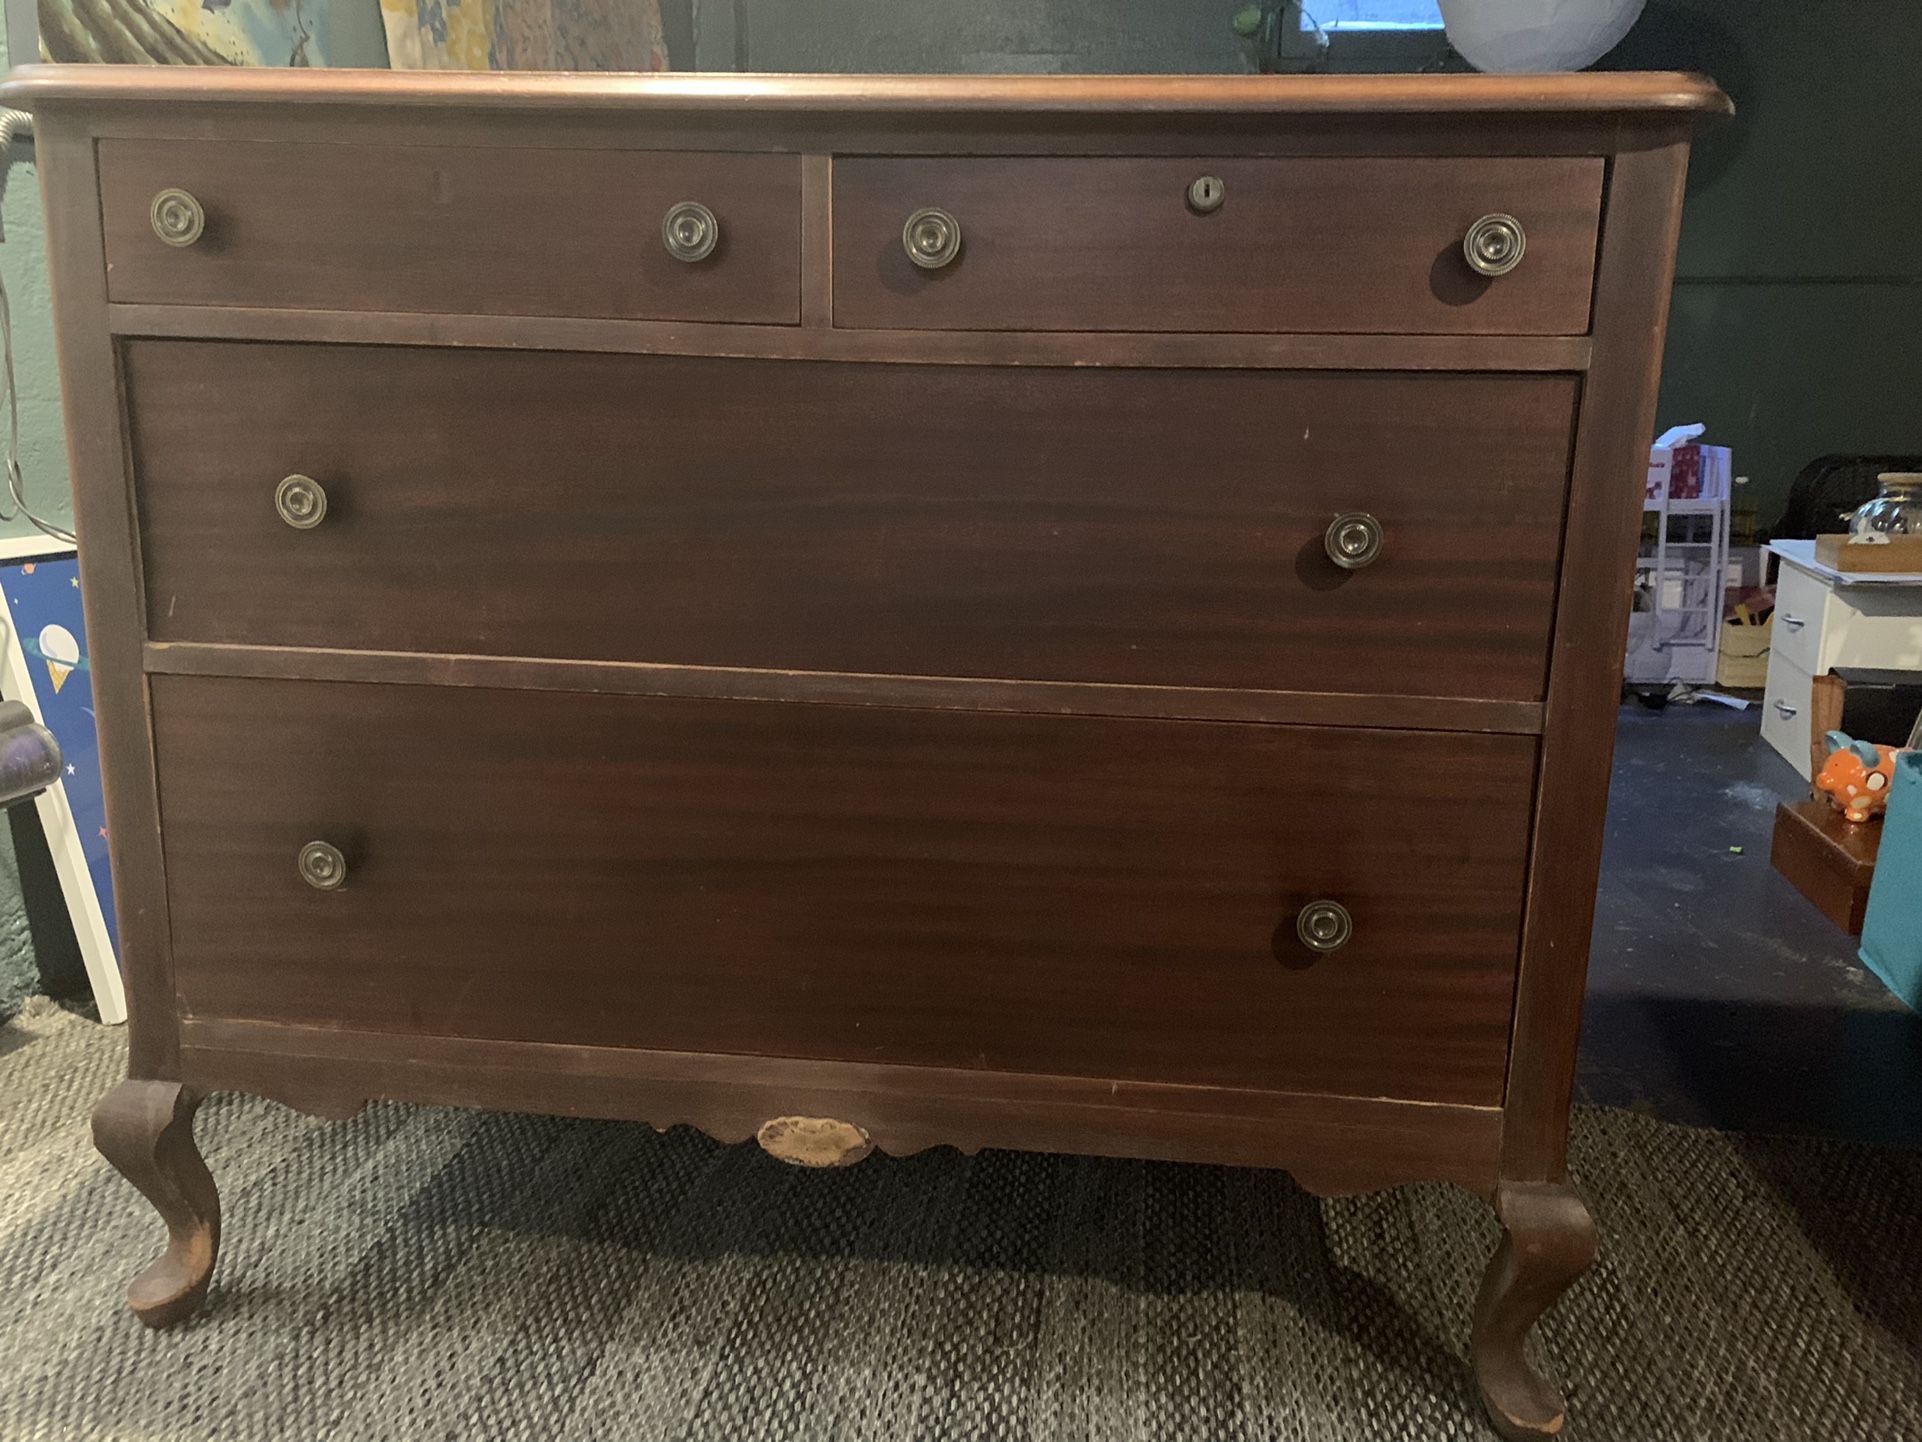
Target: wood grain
point(1312, 245)
point(1099, 898)
point(1118, 527)
point(490, 231)
point(1332, 1144)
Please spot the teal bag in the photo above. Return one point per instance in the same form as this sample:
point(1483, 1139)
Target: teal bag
point(1892, 929)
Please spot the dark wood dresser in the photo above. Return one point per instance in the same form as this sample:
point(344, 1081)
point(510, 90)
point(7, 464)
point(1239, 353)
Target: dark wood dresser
point(1077, 614)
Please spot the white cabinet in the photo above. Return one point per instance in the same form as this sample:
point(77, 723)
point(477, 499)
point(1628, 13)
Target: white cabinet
point(1824, 619)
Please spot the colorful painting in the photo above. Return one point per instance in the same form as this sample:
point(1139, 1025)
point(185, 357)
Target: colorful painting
point(44, 599)
point(213, 32)
point(524, 34)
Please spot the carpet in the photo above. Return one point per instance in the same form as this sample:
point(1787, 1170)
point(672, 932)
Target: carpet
point(426, 1273)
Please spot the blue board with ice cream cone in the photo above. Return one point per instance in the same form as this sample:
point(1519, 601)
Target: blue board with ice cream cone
point(44, 597)
point(44, 662)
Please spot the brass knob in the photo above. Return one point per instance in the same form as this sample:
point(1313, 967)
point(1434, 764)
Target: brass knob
point(301, 502)
point(690, 231)
point(1353, 540)
point(322, 866)
point(1324, 926)
point(1494, 244)
point(931, 238)
point(1205, 194)
point(177, 217)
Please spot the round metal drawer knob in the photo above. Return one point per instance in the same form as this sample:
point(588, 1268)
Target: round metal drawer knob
point(932, 238)
point(1205, 194)
point(1353, 540)
point(1494, 244)
point(690, 231)
point(301, 502)
point(1324, 926)
point(322, 866)
point(177, 217)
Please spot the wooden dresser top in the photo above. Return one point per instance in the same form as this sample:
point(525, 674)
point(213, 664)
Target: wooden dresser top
point(32, 86)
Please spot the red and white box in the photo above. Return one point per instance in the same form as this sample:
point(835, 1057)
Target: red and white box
point(1681, 468)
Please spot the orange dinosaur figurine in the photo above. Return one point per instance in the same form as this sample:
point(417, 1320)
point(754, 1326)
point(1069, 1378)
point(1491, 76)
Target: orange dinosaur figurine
point(1856, 776)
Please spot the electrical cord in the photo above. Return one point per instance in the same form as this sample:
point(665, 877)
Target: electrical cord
point(13, 125)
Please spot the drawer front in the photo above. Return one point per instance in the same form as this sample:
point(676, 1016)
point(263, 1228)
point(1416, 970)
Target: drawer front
point(1801, 604)
point(495, 231)
point(1320, 245)
point(1106, 526)
point(1786, 706)
point(1088, 897)
point(1876, 626)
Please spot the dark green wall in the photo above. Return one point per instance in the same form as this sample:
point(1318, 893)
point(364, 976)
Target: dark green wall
point(1797, 324)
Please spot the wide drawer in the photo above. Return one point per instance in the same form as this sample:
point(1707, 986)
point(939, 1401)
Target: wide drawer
point(1369, 245)
point(1106, 526)
point(493, 231)
point(1088, 897)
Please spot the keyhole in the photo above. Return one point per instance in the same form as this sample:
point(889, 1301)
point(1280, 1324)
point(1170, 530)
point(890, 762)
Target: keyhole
point(1205, 194)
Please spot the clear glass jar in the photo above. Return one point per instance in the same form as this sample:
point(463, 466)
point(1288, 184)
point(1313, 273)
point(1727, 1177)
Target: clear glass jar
point(1897, 511)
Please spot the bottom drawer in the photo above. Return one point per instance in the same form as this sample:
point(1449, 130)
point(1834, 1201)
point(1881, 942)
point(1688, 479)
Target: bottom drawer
point(1079, 896)
point(1785, 711)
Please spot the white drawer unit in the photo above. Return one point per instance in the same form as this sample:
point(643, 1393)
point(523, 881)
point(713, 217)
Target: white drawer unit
point(1825, 618)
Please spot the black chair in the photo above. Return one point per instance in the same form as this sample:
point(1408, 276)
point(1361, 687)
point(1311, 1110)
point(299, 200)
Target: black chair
point(1828, 489)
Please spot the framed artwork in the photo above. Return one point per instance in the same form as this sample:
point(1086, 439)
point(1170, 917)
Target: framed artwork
point(199, 32)
point(44, 662)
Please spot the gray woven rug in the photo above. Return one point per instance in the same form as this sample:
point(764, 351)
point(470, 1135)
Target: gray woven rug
point(421, 1273)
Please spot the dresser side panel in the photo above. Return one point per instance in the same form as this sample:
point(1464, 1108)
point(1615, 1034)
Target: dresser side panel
point(1642, 215)
point(110, 571)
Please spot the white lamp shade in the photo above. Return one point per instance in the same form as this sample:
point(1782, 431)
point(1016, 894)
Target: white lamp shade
point(1537, 35)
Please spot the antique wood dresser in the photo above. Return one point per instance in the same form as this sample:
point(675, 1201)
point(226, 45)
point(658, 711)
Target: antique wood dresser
point(1077, 614)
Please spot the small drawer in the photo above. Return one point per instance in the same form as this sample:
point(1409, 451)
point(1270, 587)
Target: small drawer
point(453, 230)
point(1373, 245)
point(1801, 606)
point(1077, 896)
point(1786, 705)
point(1111, 526)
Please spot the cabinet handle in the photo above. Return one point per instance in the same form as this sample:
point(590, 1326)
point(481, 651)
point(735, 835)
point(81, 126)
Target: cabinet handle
point(1324, 926)
point(690, 231)
point(1494, 244)
point(322, 866)
point(1794, 623)
point(177, 217)
point(1784, 710)
point(932, 238)
point(1353, 540)
point(301, 501)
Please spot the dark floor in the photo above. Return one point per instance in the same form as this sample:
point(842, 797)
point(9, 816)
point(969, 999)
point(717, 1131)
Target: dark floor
point(1716, 994)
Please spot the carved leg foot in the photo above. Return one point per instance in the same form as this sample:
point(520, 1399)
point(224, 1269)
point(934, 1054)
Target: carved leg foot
point(145, 1128)
point(1550, 1242)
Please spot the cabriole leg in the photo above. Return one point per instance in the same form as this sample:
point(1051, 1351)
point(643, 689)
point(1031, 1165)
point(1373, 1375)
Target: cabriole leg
point(145, 1128)
point(1550, 1241)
